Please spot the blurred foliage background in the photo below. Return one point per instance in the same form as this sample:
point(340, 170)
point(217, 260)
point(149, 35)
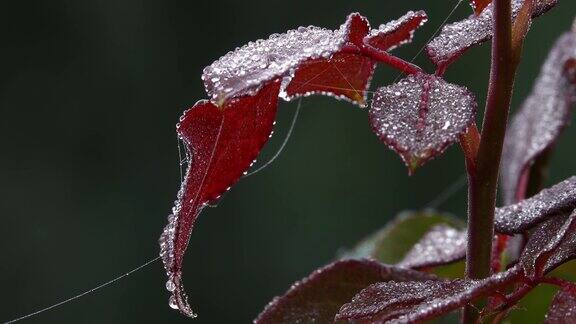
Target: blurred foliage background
point(90, 92)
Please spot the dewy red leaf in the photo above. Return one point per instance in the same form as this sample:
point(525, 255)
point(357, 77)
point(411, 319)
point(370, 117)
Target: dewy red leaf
point(415, 302)
point(347, 74)
point(318, 297)
point(397, 32)
point(549, 245)
point(479, 5)
point(541, 118)
point(420, 116)
point(246, 69)
point(343, 75)
point(563, 307)
point(517, 218)
point(456, 38)
point(443, 244)
point(222, 142)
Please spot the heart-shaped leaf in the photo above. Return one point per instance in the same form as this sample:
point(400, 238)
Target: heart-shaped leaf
point(541, 119)
point(517, 218)
point(391, 243)
point(346, 74)
point(222, 142)
point(441, 245)
point(318, 297)
point(456, 38)
point(563, 308)
point(415, 302)
point(420, 116)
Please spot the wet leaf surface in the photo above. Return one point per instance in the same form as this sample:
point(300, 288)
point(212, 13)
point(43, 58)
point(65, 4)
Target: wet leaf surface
point(409, 302)
point(310, 60)
point(550, 244)
point(420, 116)
point(347, 74)
point(456, 38)
point(222, 143)
point(541, 118)
point(397, 32)
point(441, 245)
point(517, 218)
point(318, 297)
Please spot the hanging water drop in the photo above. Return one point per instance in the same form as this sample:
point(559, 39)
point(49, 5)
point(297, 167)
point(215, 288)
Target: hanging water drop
point(170, 286)
point(172, 302)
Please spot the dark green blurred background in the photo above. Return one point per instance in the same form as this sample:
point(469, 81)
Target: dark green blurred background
point(90, 92)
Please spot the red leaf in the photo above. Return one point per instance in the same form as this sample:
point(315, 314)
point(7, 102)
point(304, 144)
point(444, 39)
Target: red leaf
point(222, 142)
point(456, 38)
point(318, 297)
point(479, 5)
point(538, 124)
point(563, 308)
point(246, 69)
point(550, 244)
point(357, 28)
point(415, 302)
point(397, 32)
point(420, 116)
point(517, 218)
point(344, 75)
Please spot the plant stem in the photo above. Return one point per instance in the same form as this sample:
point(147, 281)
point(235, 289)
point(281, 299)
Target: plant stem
point(384, 57)
point(483, 179)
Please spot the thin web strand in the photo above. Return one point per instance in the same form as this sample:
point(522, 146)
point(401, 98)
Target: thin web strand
point(447, 193)
point(108, 283)
point(283, 145)
point(181, 163)
point(431, 37)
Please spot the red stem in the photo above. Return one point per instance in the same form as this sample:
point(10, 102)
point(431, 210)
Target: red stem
point(386, 58)
point(483, 180)
point(556, 282)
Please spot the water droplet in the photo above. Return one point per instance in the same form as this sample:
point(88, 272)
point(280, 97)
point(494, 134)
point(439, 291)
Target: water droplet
point(170, 286)
point(172, 302)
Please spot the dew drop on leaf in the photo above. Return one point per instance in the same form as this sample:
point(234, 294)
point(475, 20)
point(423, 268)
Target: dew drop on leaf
point(172, 302)
point(170, 286)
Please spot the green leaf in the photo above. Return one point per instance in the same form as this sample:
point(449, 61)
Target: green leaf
point(390, 244)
